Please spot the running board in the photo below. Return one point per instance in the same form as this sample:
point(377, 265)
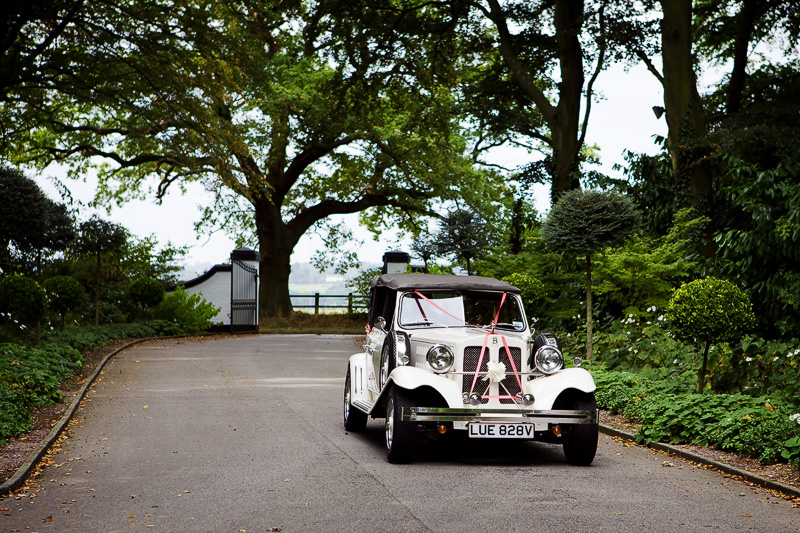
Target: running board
point(363, 406)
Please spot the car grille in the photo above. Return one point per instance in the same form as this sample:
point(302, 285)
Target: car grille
point(471, 356)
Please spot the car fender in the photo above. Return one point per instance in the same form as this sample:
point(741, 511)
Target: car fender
point(546, 389)
point(359, 377)
point(410, 378)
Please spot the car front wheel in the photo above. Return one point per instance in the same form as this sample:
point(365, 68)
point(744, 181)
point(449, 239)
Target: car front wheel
point(354, 419)
point(580, 445)
point(400, 434)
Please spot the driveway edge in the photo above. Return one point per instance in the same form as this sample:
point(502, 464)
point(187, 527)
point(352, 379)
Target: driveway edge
point(722, 467)
point(24, 471)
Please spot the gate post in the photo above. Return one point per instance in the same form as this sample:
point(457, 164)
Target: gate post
point(316, 303)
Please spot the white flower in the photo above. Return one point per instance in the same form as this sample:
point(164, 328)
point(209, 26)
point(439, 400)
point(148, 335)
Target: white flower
point(496, 372)
point(795, 417)
point(774, 359)
point(661, 318)
point(651, 309)
point(675, 362)
point(748, 359)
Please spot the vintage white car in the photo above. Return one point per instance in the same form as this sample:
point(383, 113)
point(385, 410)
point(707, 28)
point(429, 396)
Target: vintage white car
point(456, 353)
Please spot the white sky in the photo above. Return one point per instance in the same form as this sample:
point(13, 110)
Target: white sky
point(622, 120)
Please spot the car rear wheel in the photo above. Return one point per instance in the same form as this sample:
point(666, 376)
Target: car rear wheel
point(400, 435)
point(354, 419)
point(580, 445)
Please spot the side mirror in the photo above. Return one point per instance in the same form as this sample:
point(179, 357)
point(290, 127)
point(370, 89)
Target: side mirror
point(380, 323)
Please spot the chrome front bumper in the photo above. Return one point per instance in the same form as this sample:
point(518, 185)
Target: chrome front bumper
point(519, 416)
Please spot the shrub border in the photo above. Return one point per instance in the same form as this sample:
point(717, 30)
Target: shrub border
point(695, 458)
point(24, 471)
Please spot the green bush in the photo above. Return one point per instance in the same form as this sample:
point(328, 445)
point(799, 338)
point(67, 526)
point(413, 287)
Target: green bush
point(146, 292)
point(64, 294)
point(756, 427)
point(710, 310)
point(15, 419)
point(22, 301)
point(190, 311)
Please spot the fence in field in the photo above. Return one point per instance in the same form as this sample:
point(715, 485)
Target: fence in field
point(324, 302)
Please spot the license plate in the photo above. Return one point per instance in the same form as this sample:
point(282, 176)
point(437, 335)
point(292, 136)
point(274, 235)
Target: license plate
point(495, 430)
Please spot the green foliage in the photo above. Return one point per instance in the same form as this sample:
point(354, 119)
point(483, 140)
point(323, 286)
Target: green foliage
point(15, 419)
point(22, 301)
point(37, 371)
point(31, 225)
point(643, 272)
point(85, 337)
point(533, 296)
point(463, 235)
point(586, 222)
point(190, 311)
point(711, 310)
point(146, 292)
point(746, 425)
point(64, 294)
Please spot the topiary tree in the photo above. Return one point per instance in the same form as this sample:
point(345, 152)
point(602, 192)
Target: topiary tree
point(22, 301)
point(64, 294)
point(97, 239)
point(146, 292)
point(710, 310)
point(587, 222)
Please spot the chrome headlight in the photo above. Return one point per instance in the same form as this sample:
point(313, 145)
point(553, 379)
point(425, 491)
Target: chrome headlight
point(548, 360)
point(440, 358)
point(401, 347)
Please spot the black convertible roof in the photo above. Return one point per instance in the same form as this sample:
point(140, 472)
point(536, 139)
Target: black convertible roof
point(400, 282)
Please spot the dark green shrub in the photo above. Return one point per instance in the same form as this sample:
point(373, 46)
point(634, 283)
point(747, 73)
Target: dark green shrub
point(709, 310)
point(15, 419)
point(756, 427)
point(85, 337)
point(22, 301)
point(146, 292)
point(64, 295)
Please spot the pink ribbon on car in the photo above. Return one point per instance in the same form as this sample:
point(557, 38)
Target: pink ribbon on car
point(485, 339)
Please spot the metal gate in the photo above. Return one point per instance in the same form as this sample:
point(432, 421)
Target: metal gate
point(244, 297)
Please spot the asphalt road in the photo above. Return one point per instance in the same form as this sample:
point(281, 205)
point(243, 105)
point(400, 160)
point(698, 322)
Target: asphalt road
point(245, 434)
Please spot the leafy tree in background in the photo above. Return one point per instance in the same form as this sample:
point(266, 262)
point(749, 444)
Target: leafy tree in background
point(709, 310)
point(282, 112)
point(463, 235)
point(31, 225)
point(101, 240)
point(532, 85)
point(583, 223)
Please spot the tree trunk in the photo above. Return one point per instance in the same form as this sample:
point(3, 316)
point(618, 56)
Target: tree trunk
point(588, 307)
point(565, 126)
point(746, 22)
point(701, 377)
point(97, 292)
point(685, 114)
point(275, 245)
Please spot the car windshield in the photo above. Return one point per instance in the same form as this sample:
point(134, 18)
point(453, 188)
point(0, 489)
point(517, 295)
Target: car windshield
point(428, 310)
